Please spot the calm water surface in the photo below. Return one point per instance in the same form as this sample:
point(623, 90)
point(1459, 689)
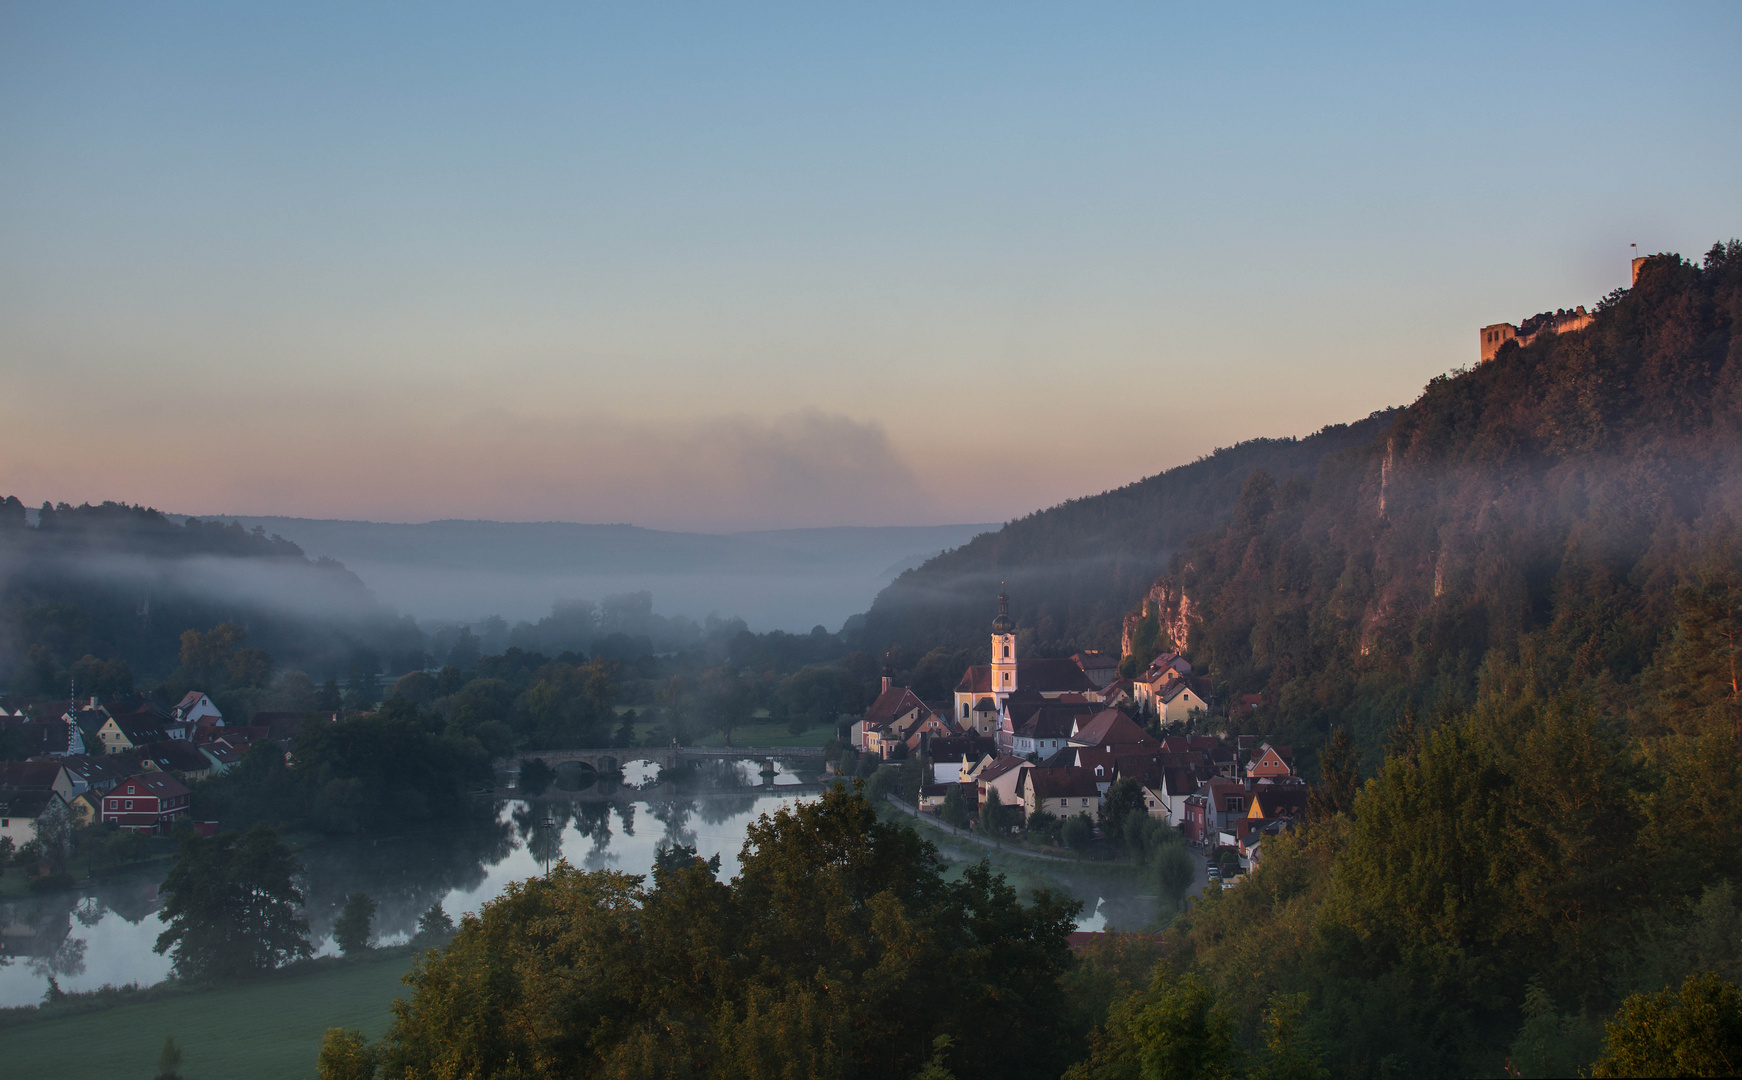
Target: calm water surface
point(106, 934)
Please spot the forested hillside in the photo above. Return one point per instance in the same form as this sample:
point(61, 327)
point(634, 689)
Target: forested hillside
point(1073, 570)
point(1541, 508)
point(121, 583)
point(1526, 601)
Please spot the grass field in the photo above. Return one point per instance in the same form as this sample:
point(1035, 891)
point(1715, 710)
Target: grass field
point(266, 1030)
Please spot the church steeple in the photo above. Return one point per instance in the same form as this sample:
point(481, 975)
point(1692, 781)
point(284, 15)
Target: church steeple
point(1002, 624)
point(1003, 651)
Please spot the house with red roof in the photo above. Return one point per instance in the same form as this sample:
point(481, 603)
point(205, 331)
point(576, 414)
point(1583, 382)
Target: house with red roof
point(197, 709)
point(1060, 792)
point(1098, 666)
point(1270, 761)
point(1001, 774)
point(889, 720)
point(146, 802)
point(1110, 727)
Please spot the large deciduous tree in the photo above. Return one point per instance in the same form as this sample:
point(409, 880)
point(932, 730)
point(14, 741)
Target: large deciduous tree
point(232, 905)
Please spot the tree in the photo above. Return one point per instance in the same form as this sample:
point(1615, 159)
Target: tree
point(805, 964)
point(54, 834)
point(730, 698)
point(955, 808)
point(1289, 1052)
point(417, 687)
point(668, 860)
point(1175, 870)
point(992, 816)
point(353, 929)
point(1124, 798)
point(535, 777)
point(345, 1055)
point(1693, 1031)
point(1078, 832)
point(169, 1060)
point(329, 699)
point(434, 924)
point(883, 782)
point(1182, 1033)
point(1339, 777)
point(231, 905)
point(1703, 665)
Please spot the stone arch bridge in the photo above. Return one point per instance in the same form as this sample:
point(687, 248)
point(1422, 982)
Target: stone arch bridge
point(666, 757)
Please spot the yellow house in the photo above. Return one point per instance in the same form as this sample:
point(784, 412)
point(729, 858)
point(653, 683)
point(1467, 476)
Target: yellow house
point(1178, 701)
point(84, 808)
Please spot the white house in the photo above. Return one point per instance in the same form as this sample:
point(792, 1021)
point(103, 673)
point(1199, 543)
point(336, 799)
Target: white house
point(195, 707)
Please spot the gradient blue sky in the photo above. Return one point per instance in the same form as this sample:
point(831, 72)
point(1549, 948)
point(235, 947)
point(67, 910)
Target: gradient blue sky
point(734, 266)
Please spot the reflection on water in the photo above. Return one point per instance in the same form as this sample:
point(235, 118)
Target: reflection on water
point(107, 934)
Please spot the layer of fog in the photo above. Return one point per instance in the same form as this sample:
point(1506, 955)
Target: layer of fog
point(792, 580)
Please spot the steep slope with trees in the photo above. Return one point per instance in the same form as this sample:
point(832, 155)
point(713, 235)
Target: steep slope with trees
point(1527, 603)
point(1542, 508)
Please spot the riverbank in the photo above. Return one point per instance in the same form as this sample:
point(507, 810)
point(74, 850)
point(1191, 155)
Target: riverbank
point(268, 1028)
point(1027, 866)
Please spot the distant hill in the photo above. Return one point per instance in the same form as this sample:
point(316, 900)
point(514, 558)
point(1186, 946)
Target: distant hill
point(791, 579)
point(1073, 570)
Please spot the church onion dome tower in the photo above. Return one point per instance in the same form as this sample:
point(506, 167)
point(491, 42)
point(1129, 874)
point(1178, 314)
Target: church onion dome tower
point(1003, 624)
point(1003, 652)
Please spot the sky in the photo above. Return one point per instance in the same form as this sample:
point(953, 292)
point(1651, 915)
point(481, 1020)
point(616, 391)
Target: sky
point(723, 267)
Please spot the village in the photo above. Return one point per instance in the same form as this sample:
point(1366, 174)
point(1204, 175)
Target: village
point(1044, 738)
point(1050, 737)
point(126, 763)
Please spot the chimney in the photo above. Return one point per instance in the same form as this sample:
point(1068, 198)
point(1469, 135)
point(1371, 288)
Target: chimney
point(886, 684)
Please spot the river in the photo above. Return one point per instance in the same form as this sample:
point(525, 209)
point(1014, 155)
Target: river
point(106, 933)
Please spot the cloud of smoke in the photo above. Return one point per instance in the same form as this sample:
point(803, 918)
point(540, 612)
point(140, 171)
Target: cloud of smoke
point(718, 473)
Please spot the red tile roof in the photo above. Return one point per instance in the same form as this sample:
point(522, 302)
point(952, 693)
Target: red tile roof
point(1110, 727)
point(893, 702)
point(1043, 675)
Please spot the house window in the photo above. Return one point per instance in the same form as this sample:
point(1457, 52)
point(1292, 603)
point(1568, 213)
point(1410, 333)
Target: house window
point(114, 803)
point(129, 804)
point(1085, 802)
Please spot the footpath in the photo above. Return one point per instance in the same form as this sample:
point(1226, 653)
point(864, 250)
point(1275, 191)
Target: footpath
point(1022, 852)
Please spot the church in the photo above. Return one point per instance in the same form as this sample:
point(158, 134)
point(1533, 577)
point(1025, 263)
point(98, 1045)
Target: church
point(985, 689)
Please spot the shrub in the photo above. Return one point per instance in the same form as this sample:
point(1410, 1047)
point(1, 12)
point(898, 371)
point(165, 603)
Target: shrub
point(1078, 832)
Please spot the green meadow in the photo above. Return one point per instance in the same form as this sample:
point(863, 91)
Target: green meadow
point(265, 1029)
